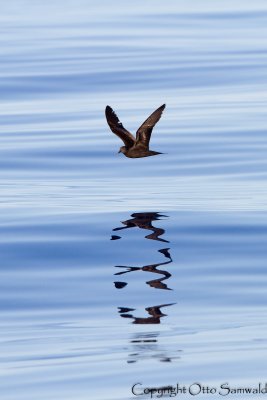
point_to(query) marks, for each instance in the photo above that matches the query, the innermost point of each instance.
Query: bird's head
(122, 150)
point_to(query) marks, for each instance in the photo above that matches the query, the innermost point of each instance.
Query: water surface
(116, 271)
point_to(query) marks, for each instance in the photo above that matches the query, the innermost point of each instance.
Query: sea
(123, 278)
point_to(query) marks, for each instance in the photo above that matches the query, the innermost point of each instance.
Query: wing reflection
(144, 221)
(155, 314)
(155, 283)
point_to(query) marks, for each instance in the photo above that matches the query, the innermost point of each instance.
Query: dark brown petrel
(135, 147)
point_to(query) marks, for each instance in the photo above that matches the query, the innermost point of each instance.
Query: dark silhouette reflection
(120, 285)
(145, 345)
(155, 283)
(143, 221)
(115, 237)
(155, 314)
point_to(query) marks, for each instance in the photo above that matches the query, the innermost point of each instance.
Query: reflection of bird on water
(134, 147)
(154, 312)
(155, 283)
(144, 221)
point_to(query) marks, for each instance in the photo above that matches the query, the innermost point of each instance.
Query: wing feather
(143, 133)
(117, 128)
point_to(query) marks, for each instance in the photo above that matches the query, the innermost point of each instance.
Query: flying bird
(134, 147)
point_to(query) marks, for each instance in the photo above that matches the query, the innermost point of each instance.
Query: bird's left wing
(117, 127)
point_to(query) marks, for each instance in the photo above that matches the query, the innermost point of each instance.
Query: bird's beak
(119, 151)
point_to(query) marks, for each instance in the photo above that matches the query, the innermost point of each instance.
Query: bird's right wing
(117, 127)
(143, 133)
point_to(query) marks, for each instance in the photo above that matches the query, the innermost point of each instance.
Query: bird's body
(138, 152)
(135, 147)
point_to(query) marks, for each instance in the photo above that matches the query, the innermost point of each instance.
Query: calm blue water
(118, 271)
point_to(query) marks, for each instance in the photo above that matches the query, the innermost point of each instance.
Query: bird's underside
(134, 147)
(140, 151)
